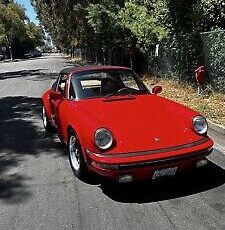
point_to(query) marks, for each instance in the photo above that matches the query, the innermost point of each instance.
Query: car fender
(47, 103)
(85, 127)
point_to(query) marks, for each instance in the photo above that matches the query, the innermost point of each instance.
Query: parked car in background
(33, 53)
(37, 53)
(115, 127)
(28, 54)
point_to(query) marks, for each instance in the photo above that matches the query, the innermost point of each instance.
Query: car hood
(143, 122)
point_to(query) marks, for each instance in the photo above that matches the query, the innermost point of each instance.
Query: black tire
(76, 158)
(62, 141)
(46, 123)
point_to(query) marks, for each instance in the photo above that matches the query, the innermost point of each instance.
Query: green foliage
(142, 24)
(15, 29)
(196, 15)
(34, 34)
(101, 23)
(65, 24)
(214, 47)
(105, 23)
(121, 26)
(213, 14)
(126, 23)
(12, 21)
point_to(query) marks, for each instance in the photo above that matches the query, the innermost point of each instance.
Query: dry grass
(210, 105)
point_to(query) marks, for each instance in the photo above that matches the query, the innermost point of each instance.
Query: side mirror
(157, 89)
(55, 95)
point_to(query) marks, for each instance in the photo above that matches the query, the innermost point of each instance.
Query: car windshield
(107, 83)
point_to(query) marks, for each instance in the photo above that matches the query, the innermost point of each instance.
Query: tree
(104, 20)
(126, 23)
(11, 23)
(64, 24)
(142, 23)
(35, 35)
(211, 14)
(16, 32)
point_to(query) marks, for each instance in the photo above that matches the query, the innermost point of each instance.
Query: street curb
(217, 127)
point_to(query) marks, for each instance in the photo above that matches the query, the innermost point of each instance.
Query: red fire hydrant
(200, 77)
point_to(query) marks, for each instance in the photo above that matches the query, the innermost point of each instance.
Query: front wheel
(76, 158)
(46, 123)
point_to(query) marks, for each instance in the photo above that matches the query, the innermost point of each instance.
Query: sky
(29, 10)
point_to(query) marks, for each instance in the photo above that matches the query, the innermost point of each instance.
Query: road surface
(39, 191)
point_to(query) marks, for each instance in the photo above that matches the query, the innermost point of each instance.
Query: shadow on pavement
(44, 76)
(30, 59)
(182, 185)
(20, 136)
(35, 75)
(13, 189)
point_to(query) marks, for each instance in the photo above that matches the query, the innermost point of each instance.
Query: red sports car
(115, 127)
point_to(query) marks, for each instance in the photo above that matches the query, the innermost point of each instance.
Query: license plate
(164, 172)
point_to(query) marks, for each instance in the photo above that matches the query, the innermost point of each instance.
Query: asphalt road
(39, 191)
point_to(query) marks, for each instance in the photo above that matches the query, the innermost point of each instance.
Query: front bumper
(142, 165)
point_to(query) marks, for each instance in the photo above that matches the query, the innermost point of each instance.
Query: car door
(65, 110)
(57, 98)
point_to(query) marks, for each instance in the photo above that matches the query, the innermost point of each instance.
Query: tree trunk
(10, 48)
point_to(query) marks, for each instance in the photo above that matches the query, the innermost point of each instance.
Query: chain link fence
(176, 57)
(214, 58)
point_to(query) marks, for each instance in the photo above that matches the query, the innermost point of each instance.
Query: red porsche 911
(115, 127)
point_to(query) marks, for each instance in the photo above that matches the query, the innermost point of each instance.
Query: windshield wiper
(113, 94)
(126, 94)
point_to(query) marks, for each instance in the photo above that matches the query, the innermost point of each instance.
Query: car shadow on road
(21, 135)
(184, 184)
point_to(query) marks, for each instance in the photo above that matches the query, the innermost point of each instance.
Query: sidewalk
(216, 127)
(218, 139)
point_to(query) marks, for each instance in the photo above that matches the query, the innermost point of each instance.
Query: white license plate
(164, 172)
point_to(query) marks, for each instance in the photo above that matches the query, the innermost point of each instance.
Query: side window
(62, 84)
(129, 81)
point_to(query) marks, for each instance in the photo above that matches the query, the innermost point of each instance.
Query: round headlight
(103, 138)
(200, 124)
